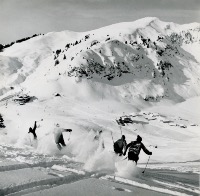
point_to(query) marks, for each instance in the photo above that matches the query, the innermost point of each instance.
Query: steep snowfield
(147, 71)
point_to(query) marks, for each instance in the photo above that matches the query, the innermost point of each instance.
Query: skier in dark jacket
(134, 149)
(33, 131)
(119, 145)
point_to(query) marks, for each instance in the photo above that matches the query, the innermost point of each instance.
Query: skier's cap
(123, 137)
(139, 138)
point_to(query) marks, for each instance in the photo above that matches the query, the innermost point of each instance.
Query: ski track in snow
(46, 172)
(157, 189)
(54, 171)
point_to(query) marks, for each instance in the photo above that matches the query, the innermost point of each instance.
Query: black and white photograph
(99, 97)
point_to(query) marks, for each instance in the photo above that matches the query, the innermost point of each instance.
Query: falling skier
(119, 145)
(58, 136)
(134, 149)
(33, 131)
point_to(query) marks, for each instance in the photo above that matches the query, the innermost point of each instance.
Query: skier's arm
(35, 126)
(145, 150)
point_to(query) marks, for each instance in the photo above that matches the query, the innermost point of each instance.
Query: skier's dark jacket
(119, 145)
(134, 150)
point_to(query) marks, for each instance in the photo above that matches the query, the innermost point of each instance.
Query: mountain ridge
(152, 58)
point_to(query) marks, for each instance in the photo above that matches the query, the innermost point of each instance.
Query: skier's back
(134, 149)
(119, 145)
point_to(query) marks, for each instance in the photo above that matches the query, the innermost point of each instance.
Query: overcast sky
(22, 18)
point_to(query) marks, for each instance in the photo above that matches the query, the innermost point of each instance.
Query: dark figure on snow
(33, 131)
(119, 145)
(58, 136)
(134, 149)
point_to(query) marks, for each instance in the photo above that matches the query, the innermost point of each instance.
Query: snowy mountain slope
(147, 59)
(22, 59)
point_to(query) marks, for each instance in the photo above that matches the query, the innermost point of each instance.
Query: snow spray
(126, 169)
(102, 160)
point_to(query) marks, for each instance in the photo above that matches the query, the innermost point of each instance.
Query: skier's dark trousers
(58, 136)
(134, 149)
(119, 145)
(33, 131)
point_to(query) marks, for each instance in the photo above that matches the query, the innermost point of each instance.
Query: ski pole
(69, 136)
(119, 126)
(120, 129)
(146, 164)
(154, 146)
(112, 137)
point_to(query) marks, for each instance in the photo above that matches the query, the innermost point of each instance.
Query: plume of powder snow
(101, 160)
(47, 145)
(27, 139)
(126, 169)
(83, 146)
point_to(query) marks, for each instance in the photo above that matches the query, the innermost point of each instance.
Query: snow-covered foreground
(29, 173)
(146, 73)
(44, 170)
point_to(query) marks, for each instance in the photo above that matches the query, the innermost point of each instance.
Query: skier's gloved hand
(150, 153)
